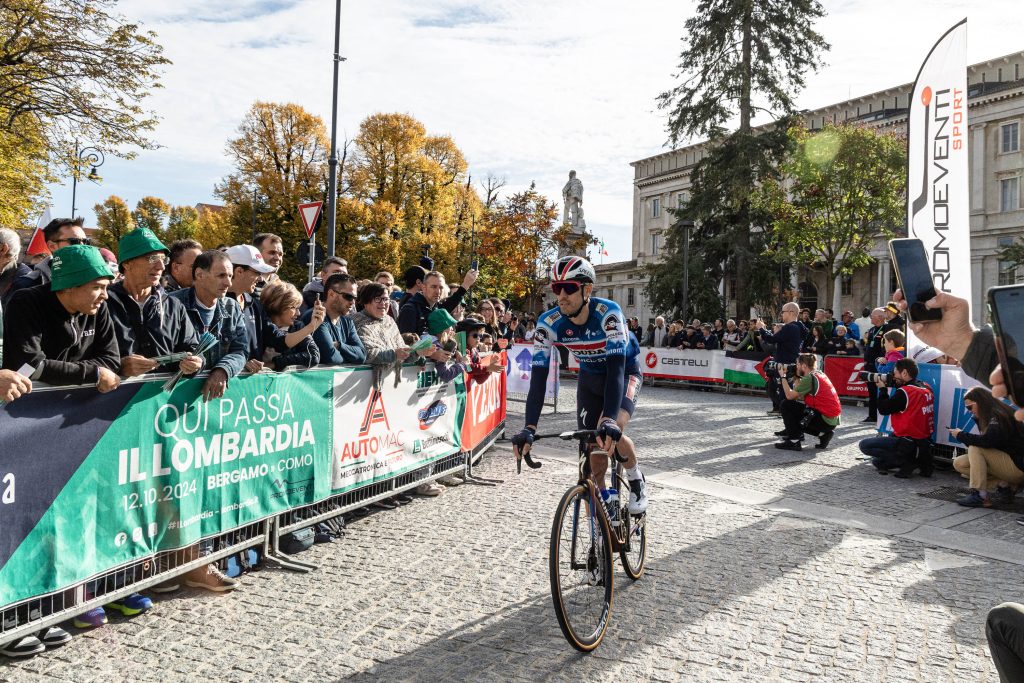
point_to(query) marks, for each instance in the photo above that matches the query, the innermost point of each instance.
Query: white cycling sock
(634, 473)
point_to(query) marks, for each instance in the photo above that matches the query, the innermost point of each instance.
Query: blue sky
(528, 89)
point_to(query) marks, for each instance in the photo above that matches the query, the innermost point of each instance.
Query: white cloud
(527, 89)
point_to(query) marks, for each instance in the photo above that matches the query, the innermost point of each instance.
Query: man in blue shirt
(336, 338)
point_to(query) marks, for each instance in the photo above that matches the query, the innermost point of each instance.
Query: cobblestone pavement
(456, 588)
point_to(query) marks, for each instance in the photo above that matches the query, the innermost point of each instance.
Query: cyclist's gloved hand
(609, 430)
(523, 438)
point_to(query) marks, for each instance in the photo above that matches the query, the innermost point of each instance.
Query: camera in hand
(776, 366)
(873, 377)
(450, 346)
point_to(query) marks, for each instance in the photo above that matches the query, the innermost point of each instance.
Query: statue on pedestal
(572, 194)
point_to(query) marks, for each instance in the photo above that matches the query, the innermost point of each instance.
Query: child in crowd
(474, 327)
(893, 341)
(441, 324)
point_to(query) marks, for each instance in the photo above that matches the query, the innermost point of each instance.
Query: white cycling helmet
(573, 269)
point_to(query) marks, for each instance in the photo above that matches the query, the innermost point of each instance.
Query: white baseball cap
(247, 255)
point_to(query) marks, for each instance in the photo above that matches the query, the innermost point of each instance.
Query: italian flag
(745, 367)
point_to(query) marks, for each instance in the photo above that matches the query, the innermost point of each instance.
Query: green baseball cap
(439, 320)
(76, 265)
(138, 242)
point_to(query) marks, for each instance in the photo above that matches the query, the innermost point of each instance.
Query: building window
(846, 285)
(1007, 273)
(654, 244)
(630, 297)
(1004, 242)
(1009, 194)
(656, 207)
(1009, 135)
(611, 294)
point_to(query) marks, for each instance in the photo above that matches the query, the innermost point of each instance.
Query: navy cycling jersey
(604, 335)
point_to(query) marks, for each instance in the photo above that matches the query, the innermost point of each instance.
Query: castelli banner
(937, 188)
(844, 373)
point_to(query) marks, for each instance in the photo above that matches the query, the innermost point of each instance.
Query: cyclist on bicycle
(610, 378)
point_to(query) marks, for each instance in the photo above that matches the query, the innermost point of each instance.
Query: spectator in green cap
(63, 331)
(149, 324)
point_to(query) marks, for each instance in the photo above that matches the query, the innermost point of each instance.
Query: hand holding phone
(1006, 308)
(915, 278)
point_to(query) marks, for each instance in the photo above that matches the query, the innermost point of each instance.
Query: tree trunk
(742, 261)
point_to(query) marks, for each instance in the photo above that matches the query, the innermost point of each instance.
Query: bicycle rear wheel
(633, 546)
(580, 566)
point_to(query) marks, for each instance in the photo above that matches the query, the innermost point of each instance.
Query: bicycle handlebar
(580, 434)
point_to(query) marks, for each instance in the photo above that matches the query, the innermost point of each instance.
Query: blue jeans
(888, 452)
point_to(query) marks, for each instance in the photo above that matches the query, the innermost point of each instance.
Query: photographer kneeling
(912, 410)
(812, 407)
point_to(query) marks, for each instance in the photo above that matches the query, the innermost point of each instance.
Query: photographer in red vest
(811, 407)
(911, 408)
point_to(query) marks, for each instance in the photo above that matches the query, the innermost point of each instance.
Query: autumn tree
(215, 227)
(182, 223)
(281, 153)
(740, 57)
(151, 213)
(114, 221)
(74, 69)
(24, 173)
(843, 189)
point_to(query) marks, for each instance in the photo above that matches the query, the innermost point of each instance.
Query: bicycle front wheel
(580, 566)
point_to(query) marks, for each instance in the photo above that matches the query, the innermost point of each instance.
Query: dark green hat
(439, 320)
(138, 242)
(76, 265)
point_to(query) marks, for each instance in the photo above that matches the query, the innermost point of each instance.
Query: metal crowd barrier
(28, 617)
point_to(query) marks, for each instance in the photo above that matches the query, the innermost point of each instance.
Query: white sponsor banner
(380, 434)
(937, 189)
(949, 384)
(519, 370)
(677, 364)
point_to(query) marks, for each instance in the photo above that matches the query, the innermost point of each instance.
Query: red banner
(485, 409)
(844, 371)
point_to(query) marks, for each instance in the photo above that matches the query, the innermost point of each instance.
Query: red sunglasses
(567, 287)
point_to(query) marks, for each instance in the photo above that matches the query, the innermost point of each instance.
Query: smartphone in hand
(915, 278)
(1006, 308)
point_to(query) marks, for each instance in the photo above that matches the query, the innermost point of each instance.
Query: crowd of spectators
(85, 317)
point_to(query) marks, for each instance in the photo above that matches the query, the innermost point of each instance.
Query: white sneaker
(429, 489)
(638, 496)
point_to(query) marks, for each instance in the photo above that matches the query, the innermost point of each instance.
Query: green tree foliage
(114, 221)
(182, 223)
(843, 188)
(151, 212)
(24, 173)
(73, 69)
(741, 57)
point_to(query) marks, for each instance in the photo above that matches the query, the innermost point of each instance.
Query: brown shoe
(210, 578)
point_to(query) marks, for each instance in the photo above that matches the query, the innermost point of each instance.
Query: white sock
(634, 473)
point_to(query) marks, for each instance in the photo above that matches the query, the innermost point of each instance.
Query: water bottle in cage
(611, 502)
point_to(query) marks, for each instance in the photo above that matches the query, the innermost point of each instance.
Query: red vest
(826, 400)
(916, 421)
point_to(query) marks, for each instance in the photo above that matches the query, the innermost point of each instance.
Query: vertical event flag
(37, 245)
(604, 252)
(937, 190)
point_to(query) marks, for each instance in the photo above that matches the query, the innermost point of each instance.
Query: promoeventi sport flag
(937, 188)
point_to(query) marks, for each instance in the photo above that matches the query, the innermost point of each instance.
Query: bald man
(787, 342)
(873, 350)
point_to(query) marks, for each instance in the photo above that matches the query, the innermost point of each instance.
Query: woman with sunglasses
(489, 314)
(594, 331)
(995, 458)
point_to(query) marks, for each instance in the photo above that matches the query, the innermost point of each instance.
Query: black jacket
(159, 327)
(412, 316)
(64, 349)
(7, 279)
(787, 341)
(227, 325)
(37, 275)
(995, 437)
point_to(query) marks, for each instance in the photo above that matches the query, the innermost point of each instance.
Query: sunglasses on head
(567, 287)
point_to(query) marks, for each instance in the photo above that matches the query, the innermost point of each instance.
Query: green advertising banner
(89, 482)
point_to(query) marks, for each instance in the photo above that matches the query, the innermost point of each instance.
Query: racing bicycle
(584, 535)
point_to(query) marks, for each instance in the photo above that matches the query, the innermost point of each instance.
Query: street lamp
(332, 183)
(87, 156)
(686, 224)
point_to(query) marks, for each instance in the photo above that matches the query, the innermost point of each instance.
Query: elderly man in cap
(852, 328)
(209, 310)
(61, 329)
(147, 322)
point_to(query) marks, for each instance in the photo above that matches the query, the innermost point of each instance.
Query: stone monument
(572, 195)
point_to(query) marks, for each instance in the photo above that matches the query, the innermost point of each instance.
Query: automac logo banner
(400, 428)
(90, 481)
(937, 189)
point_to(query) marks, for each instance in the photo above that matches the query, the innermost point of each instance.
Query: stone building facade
(995, 119)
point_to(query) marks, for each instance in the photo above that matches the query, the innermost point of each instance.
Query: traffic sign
(302, 254)
(309, 213)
